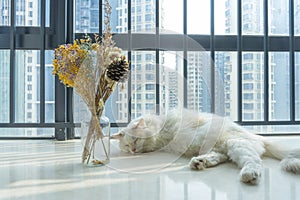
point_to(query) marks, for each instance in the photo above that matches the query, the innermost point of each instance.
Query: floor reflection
(53, 170)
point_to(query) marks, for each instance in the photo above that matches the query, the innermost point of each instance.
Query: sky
(198, 17)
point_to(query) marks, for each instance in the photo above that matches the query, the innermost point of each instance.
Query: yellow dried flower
(67, 61)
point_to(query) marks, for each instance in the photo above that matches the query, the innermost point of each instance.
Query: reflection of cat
(210, 138)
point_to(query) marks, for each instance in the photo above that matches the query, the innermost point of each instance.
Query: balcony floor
(45, 169)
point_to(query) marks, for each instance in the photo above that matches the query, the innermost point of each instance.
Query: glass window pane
(49, 88)
(279, 86)
(47, 12)
(27, 13)
(297, 85)
(198, 17)
(81, 112)
(26, 132)
(142, 16)
(119, 19)
(143, 83)
(87, 16)
(297, 17)
(199, 81)
(116, 108)
(171, 80)
(4, 12)
(226, 98)
(253, 86)
(225, 17)
(275, 129)
(27, 86)
(278, 17)
(171, 16)
(4, 85)
(252, 17)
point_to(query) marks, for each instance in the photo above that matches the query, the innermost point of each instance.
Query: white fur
(210, 138)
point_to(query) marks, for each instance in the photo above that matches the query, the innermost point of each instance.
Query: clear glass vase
(100, 152)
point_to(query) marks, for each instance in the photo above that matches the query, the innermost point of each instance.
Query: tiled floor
(42, 170)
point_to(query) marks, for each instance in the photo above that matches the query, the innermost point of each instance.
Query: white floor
(44, 170)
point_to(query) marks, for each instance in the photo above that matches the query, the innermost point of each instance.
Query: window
(150, 77)
(149, 106)
(254, 74)
(148, 8)
(149, 67)
(149, 57)
(148, 17)
(248, 96)
(247, 56)
(248, 67)
(29, 115)
(248, 106)
(149, 87)
(150, 96)
(29, 68)
(248, 116)
(28, 107)
(248, 76)
(139, 77)
(248, 86)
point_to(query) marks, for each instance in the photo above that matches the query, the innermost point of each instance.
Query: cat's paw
(251, 174)
(198, 163)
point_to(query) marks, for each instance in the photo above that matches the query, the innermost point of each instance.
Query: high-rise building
(5, 66)
(143, 63)
(252, 64)
(198, 81)
(4, 88)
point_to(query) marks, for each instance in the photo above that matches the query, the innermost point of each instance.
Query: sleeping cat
(207, 139)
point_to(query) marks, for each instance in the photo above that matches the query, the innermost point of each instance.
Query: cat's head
(137, 137)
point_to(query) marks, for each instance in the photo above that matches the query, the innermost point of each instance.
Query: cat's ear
(141, 123)
(117, 135)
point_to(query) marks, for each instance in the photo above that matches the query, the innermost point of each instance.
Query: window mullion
(239, 60)
(12, 64)
(266, 62)
(129, 45)
(185, 56)
(60, 92)
(42, 62)
(292, 61)
(212, 55)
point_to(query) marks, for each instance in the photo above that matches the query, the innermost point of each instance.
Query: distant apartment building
(252, 64)
(27, 73)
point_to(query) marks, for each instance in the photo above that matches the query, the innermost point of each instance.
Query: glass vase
(100, 152)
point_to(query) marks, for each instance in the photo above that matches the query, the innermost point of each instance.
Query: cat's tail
(290, 159)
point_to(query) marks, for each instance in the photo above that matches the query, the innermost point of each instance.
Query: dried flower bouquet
(94, 70)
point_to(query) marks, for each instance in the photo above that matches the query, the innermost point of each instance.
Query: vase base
(96, 163)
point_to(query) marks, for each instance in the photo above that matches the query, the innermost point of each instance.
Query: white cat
(211, 139)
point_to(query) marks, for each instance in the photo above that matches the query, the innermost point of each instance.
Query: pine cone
(118, 69)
